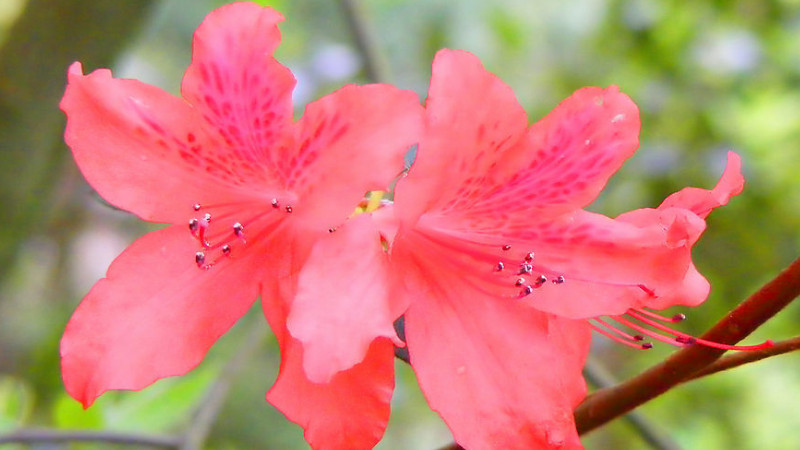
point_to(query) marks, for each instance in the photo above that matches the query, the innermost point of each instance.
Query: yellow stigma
(371, 202)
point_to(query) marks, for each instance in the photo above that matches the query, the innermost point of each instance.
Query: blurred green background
(709, 76)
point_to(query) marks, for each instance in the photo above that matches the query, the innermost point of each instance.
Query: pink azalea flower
(506, 274)
(250, 196)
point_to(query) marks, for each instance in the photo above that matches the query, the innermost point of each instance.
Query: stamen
(529, 257)
(650, 333)
(617, 331)
(559, 280)
(198, 228)
(680, 339)
(674, 319)
(685, 339)
(540, 280)
(274, 203)
(218, 231)
(505, 265)
(288, 209)
(643, 346)
(238, 230)
(527, 290)
(217, 206)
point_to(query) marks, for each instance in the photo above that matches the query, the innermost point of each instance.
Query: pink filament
(617, 338)
(647, 318)
(691, 339)
(618, 331)
(674, 319)
(647, 332)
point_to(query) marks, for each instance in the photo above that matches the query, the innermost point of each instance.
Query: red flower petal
(498, 180)
(640, 259)
(386, 221)
(342, 301)
(585, 299)
(239, 88)
(577, 147)
(131, 330)
(630, 264)
(645, 260)
(144, 150)
(155, 155)
(350, 142)
(527, 197)
(691, 291)
(561, 166)
(348, 412)
(501, 374)
(473, 123)
(703, 201)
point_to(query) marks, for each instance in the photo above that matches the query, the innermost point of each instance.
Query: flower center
(224, 230)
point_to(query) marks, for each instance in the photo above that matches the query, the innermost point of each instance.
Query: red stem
(607, 404)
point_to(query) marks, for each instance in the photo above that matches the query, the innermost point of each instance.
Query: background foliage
(708, 76)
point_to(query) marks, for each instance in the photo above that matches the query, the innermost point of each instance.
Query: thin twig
(41, 436)
(374, 65)
(209, 409)
(742, 358)
(607, 404)
(598, 376)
